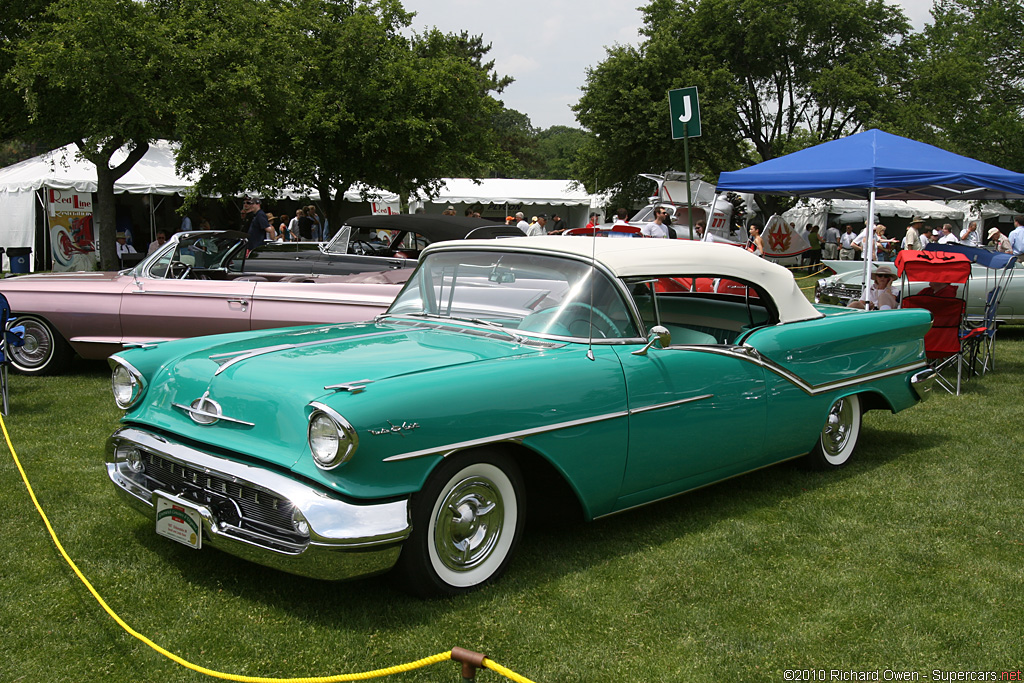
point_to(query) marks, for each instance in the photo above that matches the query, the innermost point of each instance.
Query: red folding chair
(946, 299)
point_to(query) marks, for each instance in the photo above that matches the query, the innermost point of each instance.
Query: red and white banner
(72, 240)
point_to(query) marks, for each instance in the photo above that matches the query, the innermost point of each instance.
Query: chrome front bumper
(247, 511)
(835, 293)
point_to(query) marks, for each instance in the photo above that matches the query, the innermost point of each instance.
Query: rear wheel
(466, 522)
(838, 438)
(44, 353)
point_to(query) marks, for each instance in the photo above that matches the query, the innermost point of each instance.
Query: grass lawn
(911, 558)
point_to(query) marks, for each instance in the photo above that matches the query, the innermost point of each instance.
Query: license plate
(179, 522)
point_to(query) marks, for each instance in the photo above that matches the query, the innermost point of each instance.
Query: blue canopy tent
(875, 165)
(890, 166)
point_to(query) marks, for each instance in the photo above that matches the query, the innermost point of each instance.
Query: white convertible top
(661, 257)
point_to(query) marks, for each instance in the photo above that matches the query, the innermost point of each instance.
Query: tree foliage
(353, 99)
(966, 92)
(93, 72)
(17, 22)
(772, 78)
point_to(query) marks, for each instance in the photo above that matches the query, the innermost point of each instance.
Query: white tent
(818, 211)
(499, 197)
(63, 169)
(154, 174)
(986, 214)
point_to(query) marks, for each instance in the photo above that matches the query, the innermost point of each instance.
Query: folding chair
(9, 336)
(980, 333)
(944, 343)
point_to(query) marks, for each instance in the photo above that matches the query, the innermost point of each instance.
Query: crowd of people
(850, 245)
(305, 226)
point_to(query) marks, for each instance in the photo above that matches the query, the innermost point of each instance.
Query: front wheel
(838, 438)
(44, 352)
(465, 524)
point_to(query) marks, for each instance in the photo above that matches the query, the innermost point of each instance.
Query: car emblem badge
(396, 429)
(205, 411)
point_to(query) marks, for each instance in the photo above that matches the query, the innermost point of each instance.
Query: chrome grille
(236, 504)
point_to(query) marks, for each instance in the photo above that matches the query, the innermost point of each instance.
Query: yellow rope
(426, 661)
(507, 673)
(804, 277)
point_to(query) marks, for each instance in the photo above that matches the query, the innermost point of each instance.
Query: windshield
(547, 295)
(197, 251)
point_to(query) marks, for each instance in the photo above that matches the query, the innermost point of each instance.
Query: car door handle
(243, 302)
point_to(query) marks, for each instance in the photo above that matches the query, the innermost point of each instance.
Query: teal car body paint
(506, 374)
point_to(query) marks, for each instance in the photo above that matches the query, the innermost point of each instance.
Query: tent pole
(869, 244)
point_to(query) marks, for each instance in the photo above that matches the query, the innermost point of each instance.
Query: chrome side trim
(749, 354)
(507, 436)
(191, 295)
(680, 402)
(326, 298)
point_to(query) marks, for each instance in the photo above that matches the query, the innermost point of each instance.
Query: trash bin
(19, 257)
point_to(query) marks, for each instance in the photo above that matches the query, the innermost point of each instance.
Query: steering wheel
(362, 248)
(591, 314)
(178, 270)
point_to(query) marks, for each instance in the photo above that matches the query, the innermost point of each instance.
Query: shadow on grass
(548, 552)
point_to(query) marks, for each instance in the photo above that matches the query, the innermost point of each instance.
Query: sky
(547, 45)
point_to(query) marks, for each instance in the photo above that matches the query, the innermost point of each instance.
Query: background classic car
(207, 283)
(507, 377)
(847, 283)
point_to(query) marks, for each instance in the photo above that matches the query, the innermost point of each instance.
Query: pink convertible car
(199, 283)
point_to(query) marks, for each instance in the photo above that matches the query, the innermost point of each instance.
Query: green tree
(17, 21)
(773, 77)
(965, 92)
(93, 72)
(354, 99)
(518, 155)
(559, 147)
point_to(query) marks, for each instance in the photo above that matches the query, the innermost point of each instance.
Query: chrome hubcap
(469, 523)
(838, 426)
(36, 348)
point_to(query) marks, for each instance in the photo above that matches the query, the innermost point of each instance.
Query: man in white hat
(912, 240)
(880, 295)
(1000, 241)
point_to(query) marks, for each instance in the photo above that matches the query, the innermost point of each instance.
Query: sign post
(684, 114)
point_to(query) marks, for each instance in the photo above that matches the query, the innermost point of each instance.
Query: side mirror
(658, 335)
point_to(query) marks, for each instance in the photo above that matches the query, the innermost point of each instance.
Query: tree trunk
(105, 218)
(105, 215)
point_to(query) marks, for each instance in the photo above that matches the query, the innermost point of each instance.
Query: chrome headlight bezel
(126, 383)
(332, 440)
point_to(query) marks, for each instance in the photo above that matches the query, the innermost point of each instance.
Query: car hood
(263, 384)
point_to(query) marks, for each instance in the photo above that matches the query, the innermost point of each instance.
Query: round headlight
(126, 384)
(332, 440)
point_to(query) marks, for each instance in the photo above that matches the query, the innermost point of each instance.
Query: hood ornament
(205, 411)
(352, 387)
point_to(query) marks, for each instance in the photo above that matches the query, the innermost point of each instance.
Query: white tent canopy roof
(510, 191)
(850, 210)
(155, 173)
(63, 169)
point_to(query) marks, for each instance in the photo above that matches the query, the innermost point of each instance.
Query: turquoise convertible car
(506, 377)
